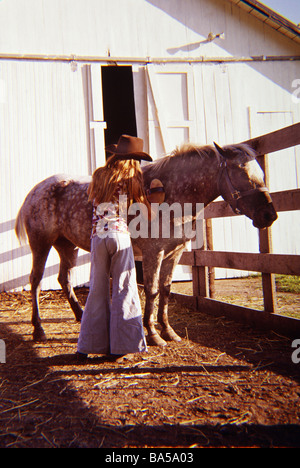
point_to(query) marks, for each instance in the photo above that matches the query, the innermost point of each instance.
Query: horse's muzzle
(265, 217)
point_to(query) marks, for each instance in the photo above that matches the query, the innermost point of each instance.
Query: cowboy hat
(128, 147)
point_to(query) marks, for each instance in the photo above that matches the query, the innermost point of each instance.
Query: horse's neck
(194, 180)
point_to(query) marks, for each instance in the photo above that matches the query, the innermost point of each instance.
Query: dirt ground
(223, 385)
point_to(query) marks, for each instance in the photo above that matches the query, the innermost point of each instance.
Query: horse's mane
(184, 151)
(189, 150)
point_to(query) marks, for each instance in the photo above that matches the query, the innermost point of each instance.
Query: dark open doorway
(118, 102)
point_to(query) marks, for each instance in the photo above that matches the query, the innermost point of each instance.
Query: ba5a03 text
(168, 457)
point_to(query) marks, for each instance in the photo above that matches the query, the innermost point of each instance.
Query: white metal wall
(51, 116)
(228, 103)
(43, 131)
(51, 121)
(245, 102)
(284, 169)
(135, 28)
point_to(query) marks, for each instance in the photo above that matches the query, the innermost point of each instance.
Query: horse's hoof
(39, 336)
(170, 335)
(155, 340)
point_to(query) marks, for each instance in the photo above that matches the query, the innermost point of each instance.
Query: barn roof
(270, 17)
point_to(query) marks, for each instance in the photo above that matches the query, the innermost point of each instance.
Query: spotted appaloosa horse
(57, 213)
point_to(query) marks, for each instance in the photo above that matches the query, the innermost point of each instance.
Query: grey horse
(56, 212)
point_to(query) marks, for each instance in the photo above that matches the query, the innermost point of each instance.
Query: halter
(232, 195)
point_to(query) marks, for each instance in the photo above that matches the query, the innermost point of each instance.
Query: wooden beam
(288, 200)
(210, 246)
(219, 209)
(259, 262)
(187, 258)
(200, 273)
(276, 141)
(284, 325)
(185, 300)
(265, 247)
(145, 60)
(256, 318)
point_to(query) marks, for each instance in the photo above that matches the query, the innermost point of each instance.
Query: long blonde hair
(108, 178)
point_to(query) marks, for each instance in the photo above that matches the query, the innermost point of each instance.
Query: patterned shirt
(110, 216)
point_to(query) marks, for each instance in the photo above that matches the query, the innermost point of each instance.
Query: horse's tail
(20, 227)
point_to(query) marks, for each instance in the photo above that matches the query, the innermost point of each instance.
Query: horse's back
(48, 204)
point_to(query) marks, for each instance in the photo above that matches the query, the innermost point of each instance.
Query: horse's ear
(220, 150)
(226, 153)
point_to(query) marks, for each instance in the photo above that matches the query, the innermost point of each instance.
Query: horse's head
(241, 184)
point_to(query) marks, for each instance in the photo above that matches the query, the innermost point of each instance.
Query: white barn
(75, 74)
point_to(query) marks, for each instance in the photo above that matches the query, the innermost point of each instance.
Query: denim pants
(112, 325)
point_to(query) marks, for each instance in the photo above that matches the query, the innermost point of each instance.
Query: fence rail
(288, 200)
(264, 263)
(205, 260)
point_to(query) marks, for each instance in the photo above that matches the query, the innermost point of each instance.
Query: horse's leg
(165, 282)
(151, 267)
(68, 253)
(40, 253)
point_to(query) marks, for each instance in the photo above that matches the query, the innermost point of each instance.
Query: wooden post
(211, 270)
(265, 246)
(200, 273)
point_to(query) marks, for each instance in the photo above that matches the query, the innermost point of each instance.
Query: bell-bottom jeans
(112, 325)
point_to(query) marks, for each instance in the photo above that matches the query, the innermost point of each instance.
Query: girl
(114, 327)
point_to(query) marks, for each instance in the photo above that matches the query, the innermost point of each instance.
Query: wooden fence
(204, 260)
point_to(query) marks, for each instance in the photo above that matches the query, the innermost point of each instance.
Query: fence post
(265, 246)
(210, 246)
(200, 273)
